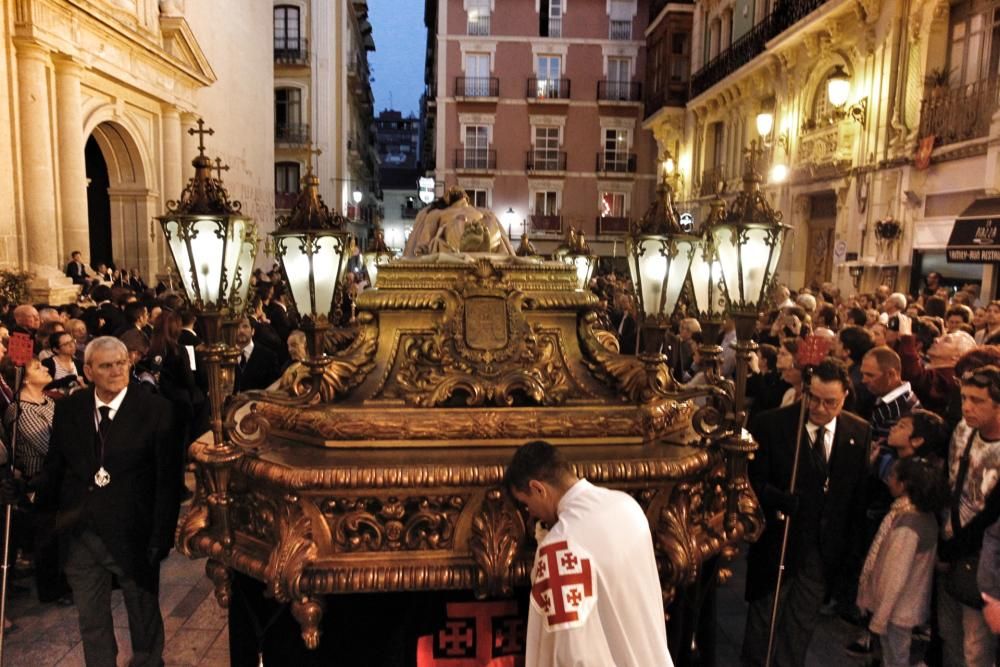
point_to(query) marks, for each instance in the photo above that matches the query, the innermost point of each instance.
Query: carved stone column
(72, 165)
(36, 155)
(173, 155)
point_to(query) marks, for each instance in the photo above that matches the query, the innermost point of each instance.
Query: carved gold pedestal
(382, 473)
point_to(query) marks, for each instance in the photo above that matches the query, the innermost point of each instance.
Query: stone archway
(131, 201)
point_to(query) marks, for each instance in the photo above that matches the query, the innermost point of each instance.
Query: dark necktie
(104, 425)
(819, 447)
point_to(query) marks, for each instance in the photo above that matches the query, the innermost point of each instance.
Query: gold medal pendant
(102, 477)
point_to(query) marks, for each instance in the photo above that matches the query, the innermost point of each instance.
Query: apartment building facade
(398, 139)
(877, 124)
(537, 111)
(323, 101)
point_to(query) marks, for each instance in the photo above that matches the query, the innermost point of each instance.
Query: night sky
(398, 61)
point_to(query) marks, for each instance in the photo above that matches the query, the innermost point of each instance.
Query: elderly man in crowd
(933, 382)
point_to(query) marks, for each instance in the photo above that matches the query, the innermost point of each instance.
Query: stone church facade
(96, 97)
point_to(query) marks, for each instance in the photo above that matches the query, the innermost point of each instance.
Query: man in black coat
(827, 511)
(258, 366)
(76, 269)
(112, 475)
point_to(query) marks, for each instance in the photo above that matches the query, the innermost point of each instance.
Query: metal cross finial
(753, 153)
(312, 151)
(219, 167)
(201, 132)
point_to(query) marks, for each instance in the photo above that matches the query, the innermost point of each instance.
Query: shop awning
(975, 238)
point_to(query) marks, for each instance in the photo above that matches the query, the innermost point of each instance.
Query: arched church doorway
(98, 205)
(120, 203)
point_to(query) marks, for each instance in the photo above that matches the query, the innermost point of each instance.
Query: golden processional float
(377, 466)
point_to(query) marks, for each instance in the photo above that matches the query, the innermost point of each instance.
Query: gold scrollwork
(392, 524)
(496, 532)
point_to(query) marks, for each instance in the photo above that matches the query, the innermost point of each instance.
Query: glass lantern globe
(378, 253)
(748, 254)
(659, 265)
(838, 87)
(765, 123)
(706, 279)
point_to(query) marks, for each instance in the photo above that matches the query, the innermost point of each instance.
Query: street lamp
(659, 256)
(311, 244)
(748, 241)
(378, 253)
(838, 88)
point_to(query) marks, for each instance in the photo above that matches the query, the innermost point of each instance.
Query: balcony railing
(608, 224)
(476, 159)
(546, 160)
(548, 89)
(711, 177)
(478, 25)
(620, 30)
(408, 212)
(616, 163)
(477, 86)
(619, 91)
(291, 133)
(546, 223)
(961, 113)
(291, 51)
(285, 200)
(555, 27)
(750, 45)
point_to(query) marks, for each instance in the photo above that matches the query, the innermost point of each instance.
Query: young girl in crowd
(895, 584)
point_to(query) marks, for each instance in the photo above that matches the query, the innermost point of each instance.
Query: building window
(620, 24)
(615, 153)
(479, 198)
(619, 78)
(286, 177)
(550, 18)
(478, 22)
(974, 51)
(546, 154)
(549, 75)
(286, 30)
(288, 126)
(476, 149)
(546, 202)
(679, 56)
(823, 112)
(477, 74)
(614, 205)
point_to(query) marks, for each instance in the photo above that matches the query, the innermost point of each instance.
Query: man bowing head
(595, 593)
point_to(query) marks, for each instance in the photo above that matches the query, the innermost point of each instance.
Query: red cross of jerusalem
(563, 581)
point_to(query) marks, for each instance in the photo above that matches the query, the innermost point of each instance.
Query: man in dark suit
(112, 475)
(76, 269)
(258, 366)
(827, 511)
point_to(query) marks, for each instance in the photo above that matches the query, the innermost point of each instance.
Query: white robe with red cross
(595, 594)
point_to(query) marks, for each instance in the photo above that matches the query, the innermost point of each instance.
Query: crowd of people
(894, 515)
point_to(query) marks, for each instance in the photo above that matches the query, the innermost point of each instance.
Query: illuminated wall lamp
(838, 88)
(765, 124)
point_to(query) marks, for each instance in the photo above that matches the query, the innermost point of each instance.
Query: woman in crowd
(63, 365)
(790, 373)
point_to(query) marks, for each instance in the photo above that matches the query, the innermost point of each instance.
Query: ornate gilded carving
(371, 524)
(345, 371)
(496, 532)
(639, 379)
(222, 578)
(254, 515)
(308, 611)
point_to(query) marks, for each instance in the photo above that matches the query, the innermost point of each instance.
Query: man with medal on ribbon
(112, 478)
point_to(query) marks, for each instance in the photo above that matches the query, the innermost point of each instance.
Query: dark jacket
(262, 368)
(831, 520)
(138, 510)
(78, 272)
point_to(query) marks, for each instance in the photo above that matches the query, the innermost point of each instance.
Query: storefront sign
(975, 241)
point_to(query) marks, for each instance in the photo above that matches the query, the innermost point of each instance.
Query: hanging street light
(659, 257)
(748, 242)
(312, 246)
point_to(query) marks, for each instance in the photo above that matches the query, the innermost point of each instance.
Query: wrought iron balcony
(478, 25)
(749, 46)
(291, 133)
(960, 113)
(711, 177)
(609, 224)
(546, 160)
(619, 91)
(620, 30)
(555, 28)
(548, 89)
(546, 223)
(291, 51)
(477, 86)
(476, 159)
(615, 163)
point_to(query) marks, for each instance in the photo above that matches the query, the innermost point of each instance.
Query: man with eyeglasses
(826, 510)
(112, 475)
(973, 469)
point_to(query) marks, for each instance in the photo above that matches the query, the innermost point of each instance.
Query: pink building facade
(536, 110)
